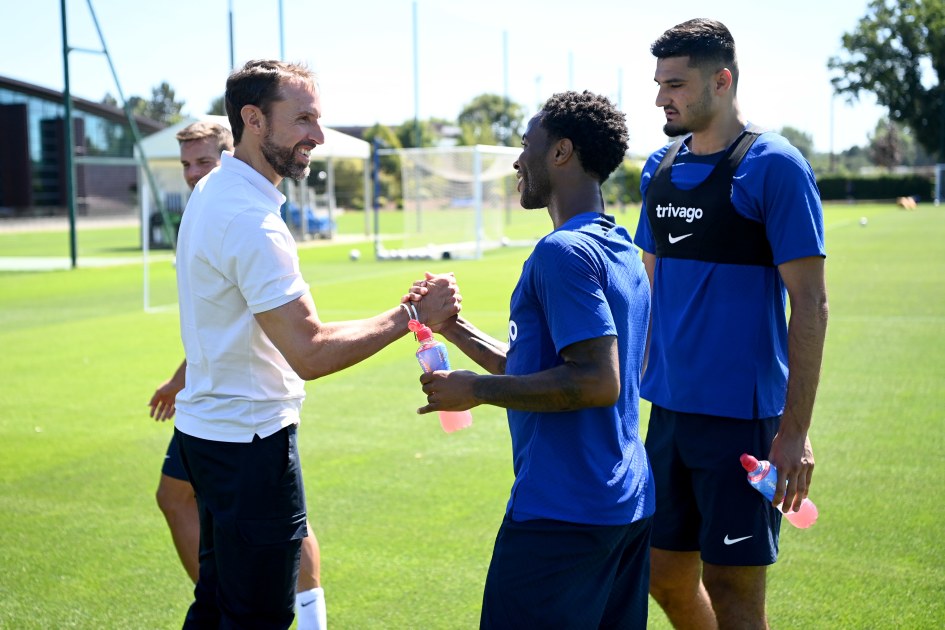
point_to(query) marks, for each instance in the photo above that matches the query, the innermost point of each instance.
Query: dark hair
(259, 83)
(707, 43)
(596, 128)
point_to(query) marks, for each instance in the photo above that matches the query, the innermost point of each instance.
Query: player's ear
(723, 80)
(253, 119)
(564, 149)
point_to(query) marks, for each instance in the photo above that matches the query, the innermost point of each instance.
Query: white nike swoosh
(676, 239)
(732, 541)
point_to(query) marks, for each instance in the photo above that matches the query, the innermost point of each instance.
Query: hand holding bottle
(763, 477)
(432, 356)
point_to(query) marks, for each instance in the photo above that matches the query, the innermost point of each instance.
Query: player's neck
(580, 196)
(719, 135)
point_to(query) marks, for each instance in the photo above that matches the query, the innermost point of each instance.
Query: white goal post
(456, 201)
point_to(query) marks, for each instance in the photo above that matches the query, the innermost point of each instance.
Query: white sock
(310, 610)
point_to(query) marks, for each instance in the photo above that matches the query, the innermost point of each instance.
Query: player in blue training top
(731, 228)
(573, 549)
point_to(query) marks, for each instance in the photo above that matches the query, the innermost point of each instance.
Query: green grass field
(406, 514)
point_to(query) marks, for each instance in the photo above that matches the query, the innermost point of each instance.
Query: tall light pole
(230, 19)
(416, 81)
(833, 156)
(620, 89)
(281, 34)
(67, 136)
(505, 87)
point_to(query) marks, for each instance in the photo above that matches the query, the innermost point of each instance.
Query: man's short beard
(699, 116)
(673, 130)
(283, 160)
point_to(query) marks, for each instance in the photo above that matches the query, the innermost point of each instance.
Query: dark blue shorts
(550, 574)
(703, 500)
(172, 465)
(252, 520)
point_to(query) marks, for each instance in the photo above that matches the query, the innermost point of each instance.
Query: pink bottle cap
(749, 462)
(423, 332)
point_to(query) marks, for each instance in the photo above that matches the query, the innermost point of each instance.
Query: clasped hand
(436, 298)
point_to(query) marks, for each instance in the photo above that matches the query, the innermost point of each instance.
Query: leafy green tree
(853, 159)
(887, 145)
(622, 188)
(471, 134)
(895, 52)
(218, 106)
(407, 133)
(163, 105)
(491, 119)
(803, 141)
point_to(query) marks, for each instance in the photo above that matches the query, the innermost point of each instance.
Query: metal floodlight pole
(620, 89)
(136, 134)
(416, 81)
(508, 140)
(230, 18)
(416, 111)
(69, 141)
(281, 34)
(833, 155)
(505, 87)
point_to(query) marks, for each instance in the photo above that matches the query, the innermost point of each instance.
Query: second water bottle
(763, 477)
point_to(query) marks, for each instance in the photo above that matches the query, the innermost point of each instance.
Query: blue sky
(362, 51)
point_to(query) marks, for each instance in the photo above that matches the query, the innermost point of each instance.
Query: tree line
(895, 52)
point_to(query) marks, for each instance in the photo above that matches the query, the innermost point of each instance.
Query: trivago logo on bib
(672, 212)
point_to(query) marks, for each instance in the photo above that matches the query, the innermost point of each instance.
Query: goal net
(457, 202)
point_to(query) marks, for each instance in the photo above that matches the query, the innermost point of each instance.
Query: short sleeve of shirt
(775, 185)
(264, 262)
(569, 283)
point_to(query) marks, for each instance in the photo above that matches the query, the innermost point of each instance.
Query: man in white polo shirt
(251, 337)
(201, 144)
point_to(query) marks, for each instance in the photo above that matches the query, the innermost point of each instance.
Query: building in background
(32, 154)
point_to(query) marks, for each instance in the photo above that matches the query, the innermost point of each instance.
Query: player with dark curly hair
(573, 548)
(596, 128)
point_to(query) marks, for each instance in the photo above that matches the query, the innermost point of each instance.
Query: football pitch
(405, 514)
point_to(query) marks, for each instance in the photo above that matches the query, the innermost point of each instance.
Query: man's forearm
(488, 352)
(807, 331)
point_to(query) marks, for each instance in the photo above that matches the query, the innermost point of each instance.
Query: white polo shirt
(235, 257)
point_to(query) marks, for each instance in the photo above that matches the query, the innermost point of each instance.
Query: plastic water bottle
(432, 355)
(763, 477)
